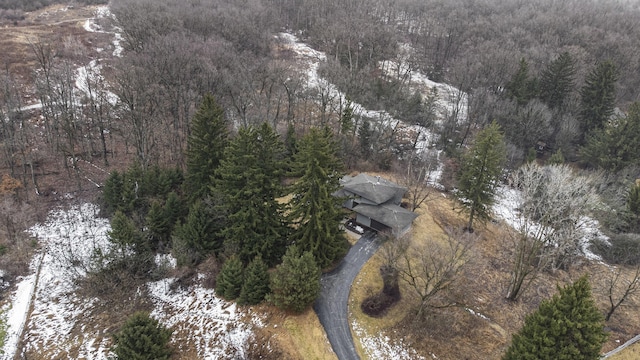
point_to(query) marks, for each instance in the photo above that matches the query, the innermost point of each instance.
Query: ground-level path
(332, 304)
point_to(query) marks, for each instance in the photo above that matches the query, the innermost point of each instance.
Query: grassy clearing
(630, 353)
(294, 336)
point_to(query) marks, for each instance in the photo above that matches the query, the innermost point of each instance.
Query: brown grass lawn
(456, 333)
(630, 353)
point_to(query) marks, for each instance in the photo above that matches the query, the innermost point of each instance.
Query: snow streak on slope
(381, 347)
(58, 325)
(310, 59)
(198, 318)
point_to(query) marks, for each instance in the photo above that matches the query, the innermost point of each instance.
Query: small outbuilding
(376, 203)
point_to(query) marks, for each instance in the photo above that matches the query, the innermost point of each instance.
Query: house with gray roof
(376, 203)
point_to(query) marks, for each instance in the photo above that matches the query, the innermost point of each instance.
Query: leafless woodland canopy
(178, 50)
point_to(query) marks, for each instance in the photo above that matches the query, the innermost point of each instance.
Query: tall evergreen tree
(617, 144)
(142, 338)
(521, 87)
(346, 119)
(480, 173)
(206, 144)
(112, 192)
(568, 326)
(256, 283)
(598, 97)
(315, 212)
(230, 279)
(158, 226)
(556, 81)
(365, 135)
(201, 232)
(249, 179)
(295, 283)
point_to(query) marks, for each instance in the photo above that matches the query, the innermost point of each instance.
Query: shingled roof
(374, 188)
(393, 216)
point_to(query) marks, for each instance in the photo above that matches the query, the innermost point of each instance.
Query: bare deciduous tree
(621, 286)
(417, 177)
(550, 220)
(432, 270)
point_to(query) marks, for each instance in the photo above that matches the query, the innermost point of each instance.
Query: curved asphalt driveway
(331, 305)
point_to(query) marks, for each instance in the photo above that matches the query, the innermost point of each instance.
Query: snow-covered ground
(56, 322)
(378, 346)
(309, 61)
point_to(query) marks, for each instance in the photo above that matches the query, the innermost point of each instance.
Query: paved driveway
(331, 305)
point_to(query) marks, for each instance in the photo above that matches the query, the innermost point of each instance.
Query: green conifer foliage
(314, 210)
(295, 284)
(556, 159)
(200, 233)
(598, 96)
(125, 235)
(249, 179)
(480, 173)
(112, 192)
(230, 279)
(158, 226)
(556, 81)
(256, 283)
(521, 87)
(617, 145)
(567, 327)
(206, 144)
(142, 338)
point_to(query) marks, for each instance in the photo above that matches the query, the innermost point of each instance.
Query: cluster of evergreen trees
(580, 121)
(228, 205)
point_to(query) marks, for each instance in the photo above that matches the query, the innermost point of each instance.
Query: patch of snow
(309, 59)
(381, 347)
(69, 240)
(476, 313)
(209, 324)
(450, 101)
(15, 314)
(166, 260)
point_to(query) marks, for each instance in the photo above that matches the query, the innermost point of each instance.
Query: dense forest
(203, 124)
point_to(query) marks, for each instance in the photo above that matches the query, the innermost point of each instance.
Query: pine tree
(158, 226)
(174, 210)
(315, 212)
(230, 279)
(556, 158)
(598, 97)
(568, 326)
(112, 192)
(200, 233)
(365, 135)
(521, 87)
(556, 81)
(206, 144)
(125, 235)
(616, 145)
(256, 283)
(142, 338)
(346, 118)
(480, 173)
(249, 179)
(295, 284)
